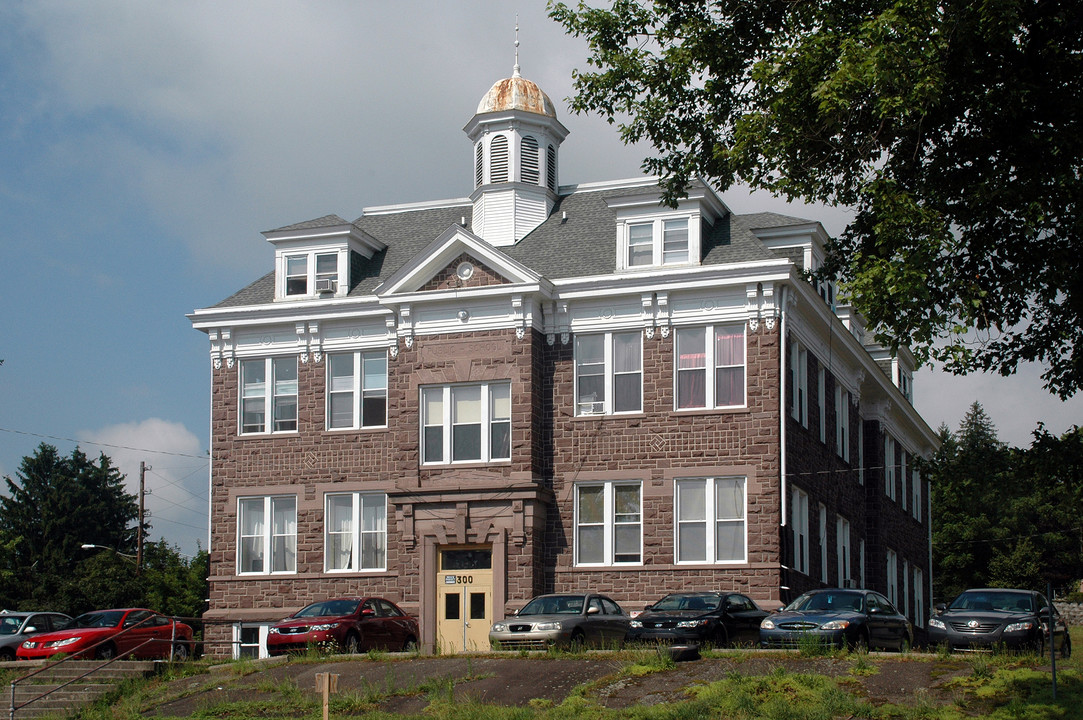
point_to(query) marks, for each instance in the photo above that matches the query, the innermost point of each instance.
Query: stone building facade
(461, 404)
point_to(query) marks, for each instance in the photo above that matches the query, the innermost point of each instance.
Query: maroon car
(105, 634)
(350, 624)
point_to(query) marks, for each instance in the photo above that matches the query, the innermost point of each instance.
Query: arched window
(479, 153)
(551, 168)
(498, 159)
(530, 160)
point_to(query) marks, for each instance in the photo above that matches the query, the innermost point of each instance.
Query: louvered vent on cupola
(498, 159)
(551, 168)
(530, 160)
(479, 154)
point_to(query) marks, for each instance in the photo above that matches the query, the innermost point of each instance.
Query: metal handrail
(82, 654)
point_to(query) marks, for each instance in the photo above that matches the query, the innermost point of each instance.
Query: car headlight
(65, 642)
(499, 627)
(547, 626)
(938, 624)
(273, 631)
(1017, 627)
(835, 625)
(692, 623)
(636, 623)
(324, 626)
(767, 624)
(30, 644)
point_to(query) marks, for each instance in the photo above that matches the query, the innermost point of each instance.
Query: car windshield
(109, 618)
(993, 600)
(328, 608)
(701, 602)
(10, 625)
(554, 605)
(829, 601)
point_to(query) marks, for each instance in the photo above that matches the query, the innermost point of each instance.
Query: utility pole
(142, 509)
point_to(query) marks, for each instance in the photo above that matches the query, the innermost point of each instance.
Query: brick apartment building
(541, 387)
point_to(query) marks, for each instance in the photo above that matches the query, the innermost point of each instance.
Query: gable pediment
(457, 260)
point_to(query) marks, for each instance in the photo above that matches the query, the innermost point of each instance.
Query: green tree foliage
(55, 505)
(953, 129)
(1004, 516)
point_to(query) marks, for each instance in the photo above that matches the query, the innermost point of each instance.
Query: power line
(102, 444)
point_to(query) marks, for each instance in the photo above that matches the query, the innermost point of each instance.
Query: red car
(105, 634)
(350, 624)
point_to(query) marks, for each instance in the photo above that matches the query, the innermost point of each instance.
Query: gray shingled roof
(579, 245)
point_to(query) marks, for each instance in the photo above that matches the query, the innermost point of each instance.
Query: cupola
(516, 138)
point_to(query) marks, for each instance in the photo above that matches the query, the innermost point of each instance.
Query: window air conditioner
(325, 285)
(591, 407)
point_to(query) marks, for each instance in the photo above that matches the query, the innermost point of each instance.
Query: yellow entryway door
(464, 598)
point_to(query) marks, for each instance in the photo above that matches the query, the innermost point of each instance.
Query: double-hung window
(711, 525)
(799, 383)
(842, 549)
(269, 383)
(267, 534)
(356, 532)
(357, 390)
(889, 467)
(658, 242)
(310, 273)
(892, 568)
(842, 422)
(608, 523)
(711, 367)
(799, 525)
(466, 423)
(915, 504)
(609, 373)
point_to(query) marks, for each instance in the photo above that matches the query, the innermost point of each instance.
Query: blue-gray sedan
(855, 619)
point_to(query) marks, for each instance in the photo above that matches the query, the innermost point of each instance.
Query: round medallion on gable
(465, 270)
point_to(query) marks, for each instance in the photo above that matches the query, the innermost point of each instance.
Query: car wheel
(7, 654)
(181, 652)
(905, 644)
(352, 644)
(720, 638)
(107, 651)
(410, 645)
(860, 644)
(1066, 648)
(578, 641)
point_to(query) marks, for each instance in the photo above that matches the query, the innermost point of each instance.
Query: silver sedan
(563, 619)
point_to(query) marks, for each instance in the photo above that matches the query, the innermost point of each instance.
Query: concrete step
(68, 699)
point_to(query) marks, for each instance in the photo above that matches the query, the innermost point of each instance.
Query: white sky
(144, 146)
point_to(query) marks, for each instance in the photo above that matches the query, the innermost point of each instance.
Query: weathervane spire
(515, 72)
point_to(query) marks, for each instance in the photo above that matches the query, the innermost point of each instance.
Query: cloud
(176, 478)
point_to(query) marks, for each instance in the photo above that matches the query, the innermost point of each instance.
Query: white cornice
(412, 207)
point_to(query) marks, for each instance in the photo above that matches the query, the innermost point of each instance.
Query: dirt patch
(408, 685)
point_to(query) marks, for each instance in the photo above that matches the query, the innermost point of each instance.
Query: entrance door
(464, 598)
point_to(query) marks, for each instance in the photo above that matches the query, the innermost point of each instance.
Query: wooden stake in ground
(326, 683)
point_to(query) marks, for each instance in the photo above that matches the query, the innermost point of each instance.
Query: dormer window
(311, 274)
(658, 242)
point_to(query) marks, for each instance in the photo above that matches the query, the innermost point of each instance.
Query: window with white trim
(919, 598)
(842, 422)
(250, 640)
(821, 401)
(903, 477)
(357, 390)
(498, 159)
(466, 423)
(652, 243)
(311, 273)
(267, 534)
(710, 367)
(889, 467)
(355, 532)
(711, 524)
(915, 503)
(609, 373)
(861, 562)
(842, 550)
(906, 588)
(823, 542)
(799, 383)
(268, 383)
(799, 526)
(892, 577)
(530, 171)
(860, 450)
(551, 168)
(608, 523)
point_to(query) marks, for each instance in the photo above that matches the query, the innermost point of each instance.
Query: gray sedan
(566, 620)
(18, 626)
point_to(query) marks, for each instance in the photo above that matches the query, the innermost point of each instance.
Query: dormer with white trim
(651, 235)
(516, 138)
(313, 259)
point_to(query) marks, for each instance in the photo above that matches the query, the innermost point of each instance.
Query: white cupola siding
(516, 138)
